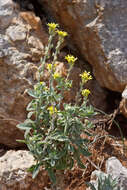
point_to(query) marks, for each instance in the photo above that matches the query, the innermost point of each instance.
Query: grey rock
(99, 30)
(17, 33)
(94, 178)
(22, 41)
(124, 94)
(6, 13)
(14, 175)
(115, 168)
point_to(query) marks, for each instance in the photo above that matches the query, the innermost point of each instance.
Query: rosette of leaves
(105, 183)
(53, 132)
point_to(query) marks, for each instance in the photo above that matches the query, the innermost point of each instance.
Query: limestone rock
(22, 40)
(117, 172)
(14, 175)
(115, 168)
(123, 103)
(98, 28)
(6, 13)
(123, 107)
(94, 178)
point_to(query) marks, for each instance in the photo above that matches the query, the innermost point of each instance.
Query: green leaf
(91, 186)
(52, 162)
(27, 132)
(62, 138)
(70, 148)
(59, 136)
(71, 164)
(31, 106)
(61, 153)
(77, 157)
(51, 175)
(23, 126)
(87, 133)
(31, 168)
(89, 125)
(84, 152)
(32, 93)
(80, 164)
(29, 115)
(80, 142)
(35, 171)
(28, 124)
(21, 141)
(61, 164)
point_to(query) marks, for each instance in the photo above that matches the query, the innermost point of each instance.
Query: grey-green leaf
(36, 171)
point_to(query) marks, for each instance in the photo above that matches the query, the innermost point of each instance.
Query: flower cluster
(49, 66)
(41, 83)
(52, 27)
(61, 34)
(56, 75)
(52, 110)
(85, 76)
(70, 59)
(85, 92)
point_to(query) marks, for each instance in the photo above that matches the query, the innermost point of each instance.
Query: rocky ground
(14, 163)
(100, 48)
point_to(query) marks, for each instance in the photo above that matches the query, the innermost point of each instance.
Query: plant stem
(48, 48)
(79, 94)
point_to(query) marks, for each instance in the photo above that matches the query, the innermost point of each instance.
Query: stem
(51, 78)
(60, 185)
(54, 60)
(63, 89)
(69, 71)
(48, 48)
(78, 94)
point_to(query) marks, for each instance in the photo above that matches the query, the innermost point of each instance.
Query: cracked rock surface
(14, 175)
(99, 30)
(22, 40)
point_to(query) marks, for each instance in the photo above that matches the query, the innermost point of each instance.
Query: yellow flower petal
(41, 82)
(52, 110)
(52, 27)
(62, 34)
(70, 59)
(56, 75)
(49, 67)
(85, 92)
(85, 76)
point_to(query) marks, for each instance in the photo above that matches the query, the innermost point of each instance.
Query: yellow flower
(85, 92)
(61, 34)
(70, 59)
(41, 83)
(55, 65)
(52, 27)
(56, 75)
(49, 67)
(52, 110)
(85, 76)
